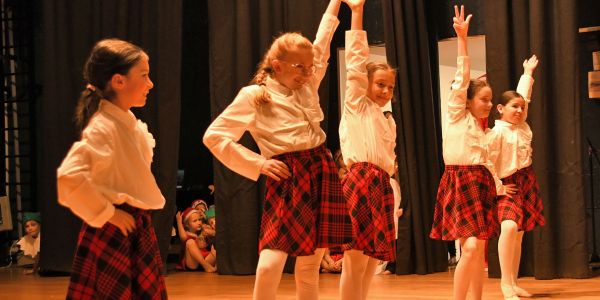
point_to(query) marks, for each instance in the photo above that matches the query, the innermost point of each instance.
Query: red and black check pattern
(466, 204)
(307, 210)
(109, 265)
(371, 200)
(525, 207)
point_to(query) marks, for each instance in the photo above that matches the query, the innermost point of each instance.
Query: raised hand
(275, 169)
(354, 4)
(530, 64)
(461, 25)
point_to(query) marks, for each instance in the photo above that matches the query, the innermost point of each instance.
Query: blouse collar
(126, 117)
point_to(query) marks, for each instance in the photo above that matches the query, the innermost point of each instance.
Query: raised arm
(461, 27)
(322, 41)
(357, 54)
(525, 86)
(457, 99)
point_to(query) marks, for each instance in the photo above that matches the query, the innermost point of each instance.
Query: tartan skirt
(370, 197)
(109, 265)
(525, 207)
(466, 204)
(307, 210)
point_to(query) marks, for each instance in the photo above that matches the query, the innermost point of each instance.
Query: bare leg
(268, 274)
(307, 275)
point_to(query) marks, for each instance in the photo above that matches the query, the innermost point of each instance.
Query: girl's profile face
(513, 111)
(381, 86)
(32, 228)
(481, 104)
(295, 68)
(134, 87)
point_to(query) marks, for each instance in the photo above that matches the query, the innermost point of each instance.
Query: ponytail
(87, 105)
(260, 78)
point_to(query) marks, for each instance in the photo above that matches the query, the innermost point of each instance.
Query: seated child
(30, 243)
(332, 262)
(195, 252)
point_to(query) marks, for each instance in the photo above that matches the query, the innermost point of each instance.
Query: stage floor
(198, 285)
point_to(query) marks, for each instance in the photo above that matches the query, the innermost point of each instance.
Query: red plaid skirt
(465, 206)
(109, 265)
(371, 199)
(525, 207)
(307, 210)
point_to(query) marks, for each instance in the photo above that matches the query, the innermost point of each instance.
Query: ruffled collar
(127, 118)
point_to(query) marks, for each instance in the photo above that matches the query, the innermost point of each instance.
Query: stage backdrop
(412, 47)
(548, 28)
(67, 33)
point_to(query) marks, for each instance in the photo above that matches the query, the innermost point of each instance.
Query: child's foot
(508, 292)
(209, 269)
(521, 292)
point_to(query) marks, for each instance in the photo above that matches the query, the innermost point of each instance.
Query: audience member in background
(195, 251)
(30, 243)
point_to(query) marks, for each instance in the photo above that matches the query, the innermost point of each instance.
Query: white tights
(270, 267)
(509, 251)
(357, 273)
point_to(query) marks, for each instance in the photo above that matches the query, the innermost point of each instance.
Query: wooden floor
(198, 285)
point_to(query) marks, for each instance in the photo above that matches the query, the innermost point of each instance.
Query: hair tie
(90, 87)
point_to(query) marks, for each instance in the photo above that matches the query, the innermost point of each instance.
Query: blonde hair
(280, 47)
(374, 66)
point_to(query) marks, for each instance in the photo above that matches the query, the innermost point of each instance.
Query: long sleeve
(76, 187)
(457, 100)
(223, 134)
(357, 53)
(321, 44)
(525, 88)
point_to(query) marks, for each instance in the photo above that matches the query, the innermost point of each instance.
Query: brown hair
(280, 47)
(475, 86)
(374, 66)
(108, 57)
(509, 95)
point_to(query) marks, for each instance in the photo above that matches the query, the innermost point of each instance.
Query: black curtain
(236, 47)
(411, 47)
(68, 32)
(548, 28)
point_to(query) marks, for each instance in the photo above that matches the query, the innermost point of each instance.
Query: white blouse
(366, 135)
(109, 166)
(290, 122)
(510, 144)
(29, 245)
(464, 141)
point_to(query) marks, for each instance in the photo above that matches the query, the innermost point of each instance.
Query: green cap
(210, 213)
(28, 216)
